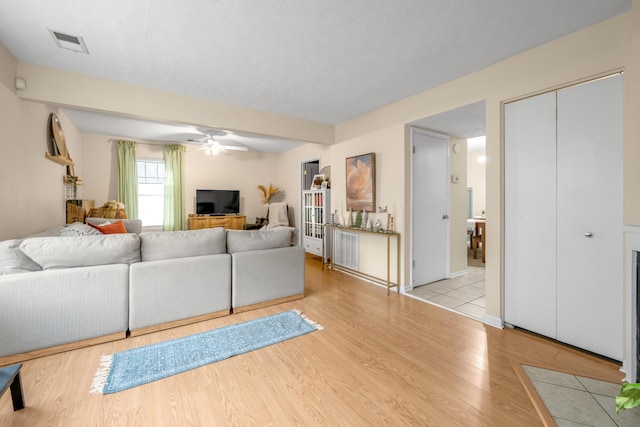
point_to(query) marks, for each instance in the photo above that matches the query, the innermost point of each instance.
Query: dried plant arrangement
(266, 193)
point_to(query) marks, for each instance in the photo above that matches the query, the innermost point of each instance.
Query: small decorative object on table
(358, 222)
(389, 222)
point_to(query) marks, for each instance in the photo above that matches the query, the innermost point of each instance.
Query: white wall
(476, 179)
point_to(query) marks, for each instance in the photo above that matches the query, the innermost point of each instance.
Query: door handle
(445, 216)
(588, 235)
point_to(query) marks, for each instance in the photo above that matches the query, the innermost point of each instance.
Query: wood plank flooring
(381, 360)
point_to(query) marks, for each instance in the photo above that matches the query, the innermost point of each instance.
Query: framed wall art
(361, 182)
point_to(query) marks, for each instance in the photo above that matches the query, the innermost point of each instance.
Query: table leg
(16, 393)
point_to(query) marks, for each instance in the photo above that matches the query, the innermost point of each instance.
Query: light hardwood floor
(381, 360)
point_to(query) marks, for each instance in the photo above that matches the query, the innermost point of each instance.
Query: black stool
(10, 377)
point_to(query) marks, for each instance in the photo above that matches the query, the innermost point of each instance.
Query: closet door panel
(589, 225)
(530, 214)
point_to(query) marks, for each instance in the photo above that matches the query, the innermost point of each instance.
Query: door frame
(300, 190)
(409, 284)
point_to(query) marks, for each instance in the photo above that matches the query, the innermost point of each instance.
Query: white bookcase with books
(316, 208)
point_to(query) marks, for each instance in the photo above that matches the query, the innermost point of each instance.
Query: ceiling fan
(211, 142)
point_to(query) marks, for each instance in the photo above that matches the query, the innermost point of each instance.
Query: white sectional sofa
(64, 292)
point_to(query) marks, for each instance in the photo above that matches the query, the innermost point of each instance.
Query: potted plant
(629, 397)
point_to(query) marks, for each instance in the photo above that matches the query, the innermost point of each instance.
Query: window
(151, 191)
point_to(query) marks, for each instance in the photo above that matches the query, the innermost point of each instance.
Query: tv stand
(232, 222)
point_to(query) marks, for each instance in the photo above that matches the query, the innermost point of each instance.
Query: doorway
(462, 290)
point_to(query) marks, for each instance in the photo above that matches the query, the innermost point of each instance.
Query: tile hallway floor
(578, 401)
(464, 294)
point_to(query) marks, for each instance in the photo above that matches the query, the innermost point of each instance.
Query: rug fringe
(100, 379)
(313, 323)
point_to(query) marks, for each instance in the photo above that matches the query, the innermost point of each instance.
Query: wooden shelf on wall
(59, 159)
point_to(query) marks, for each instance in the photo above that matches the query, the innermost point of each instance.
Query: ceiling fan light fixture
(213, 147)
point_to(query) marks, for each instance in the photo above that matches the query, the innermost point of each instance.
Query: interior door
(530, 214)
(590, 246)
(430, 210)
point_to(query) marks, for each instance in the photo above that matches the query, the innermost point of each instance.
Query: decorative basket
(107, 213)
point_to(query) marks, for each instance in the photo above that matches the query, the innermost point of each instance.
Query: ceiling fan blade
(234, 147)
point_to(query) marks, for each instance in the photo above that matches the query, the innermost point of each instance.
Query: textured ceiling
(322, 60)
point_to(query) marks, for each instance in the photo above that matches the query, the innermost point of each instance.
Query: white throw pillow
(79, 229)
(13, 260)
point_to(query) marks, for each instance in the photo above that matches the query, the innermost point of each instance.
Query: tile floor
(578, 401)
(464, 294)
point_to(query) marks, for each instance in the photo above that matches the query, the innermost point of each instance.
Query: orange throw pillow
(115, 228)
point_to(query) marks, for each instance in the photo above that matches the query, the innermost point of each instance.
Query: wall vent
(68, 41)
(346, 249)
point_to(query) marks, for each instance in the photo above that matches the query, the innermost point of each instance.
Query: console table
(233, 222)
(388, 234)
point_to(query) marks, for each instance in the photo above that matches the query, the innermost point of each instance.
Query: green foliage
(629, 397)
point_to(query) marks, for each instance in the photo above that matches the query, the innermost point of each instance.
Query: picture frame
(324, 185)
(317, 181)
(361, 182)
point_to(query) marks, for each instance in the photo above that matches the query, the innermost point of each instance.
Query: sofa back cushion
(82, 251)
(181, 244)
(255, 240)
(13, 260)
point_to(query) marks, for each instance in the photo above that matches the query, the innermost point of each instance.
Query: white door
(563, 215)
(590, 246)
(530, 214)
(430, 210)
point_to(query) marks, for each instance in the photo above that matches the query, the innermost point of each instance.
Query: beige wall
(31, 186)
(52, 86)
(458, 206)
(288, 169)
(227, 170)
(387, 144)
(8, 67)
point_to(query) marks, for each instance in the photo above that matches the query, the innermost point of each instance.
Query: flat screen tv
(217, 202)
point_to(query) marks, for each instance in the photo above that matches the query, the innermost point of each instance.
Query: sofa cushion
(13, 260)
(82, 251)
(250, 240)
(110, 228)
(181, 244)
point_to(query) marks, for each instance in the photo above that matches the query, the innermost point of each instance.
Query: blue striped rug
(131, 368)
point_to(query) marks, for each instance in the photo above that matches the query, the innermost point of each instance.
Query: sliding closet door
(589, 227)
(530, 214)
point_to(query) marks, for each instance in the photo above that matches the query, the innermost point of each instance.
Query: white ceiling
(322, 60)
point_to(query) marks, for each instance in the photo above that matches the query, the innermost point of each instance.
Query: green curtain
(128, 177)
(174, 208)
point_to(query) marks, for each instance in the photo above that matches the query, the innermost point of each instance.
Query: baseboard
(496, 322)
(176, 323)
(21, 357)
(457, 274)
(267, 303)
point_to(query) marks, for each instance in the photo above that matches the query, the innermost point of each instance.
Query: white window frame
(157, 198)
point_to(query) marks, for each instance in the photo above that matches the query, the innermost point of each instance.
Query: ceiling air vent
(67, 41)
